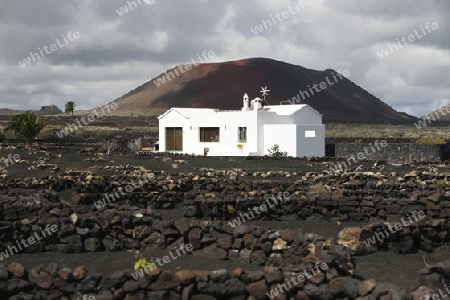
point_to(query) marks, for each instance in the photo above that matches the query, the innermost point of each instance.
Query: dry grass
(433, 135)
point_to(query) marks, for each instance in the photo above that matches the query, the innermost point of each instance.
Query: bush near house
(275, 151)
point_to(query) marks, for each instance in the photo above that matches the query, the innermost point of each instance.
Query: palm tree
(70, 107)
(27, 125)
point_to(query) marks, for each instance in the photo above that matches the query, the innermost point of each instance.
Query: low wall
(54, 282)
(215, 201)
(392, 153)
(211, 200)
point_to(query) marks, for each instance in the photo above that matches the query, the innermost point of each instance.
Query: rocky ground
(67, 182)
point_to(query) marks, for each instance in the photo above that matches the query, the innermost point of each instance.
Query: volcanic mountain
(222, 85)
(441, 114)
(45, 110)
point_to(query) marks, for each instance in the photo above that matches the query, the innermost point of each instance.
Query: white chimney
(257, 104)
(245, 106)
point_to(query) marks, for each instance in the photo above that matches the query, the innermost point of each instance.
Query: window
(209, 134)
(242, 134)
(310, 133)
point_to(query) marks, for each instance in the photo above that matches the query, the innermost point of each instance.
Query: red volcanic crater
(222, 85)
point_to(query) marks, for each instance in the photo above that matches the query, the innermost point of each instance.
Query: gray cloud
(115, 54)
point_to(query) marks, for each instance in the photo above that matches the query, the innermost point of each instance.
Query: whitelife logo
(319, 87)
(391, 48)
(114, 196)
(169, 75)
(439, 296)
(12, 159)
(53, 47)
(87, 297)
(166, 259)
(435, 116)
(124, 9)
(86, 120)
(263, 207)
(31, 240)
(341, 165)
(266, 24)
(281, 288)
(397, 227)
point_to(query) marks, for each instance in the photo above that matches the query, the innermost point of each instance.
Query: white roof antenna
(264, 91)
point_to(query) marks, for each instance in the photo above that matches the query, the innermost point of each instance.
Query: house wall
(309, 146)
(284, 135)
(291, 139)
(228, 123)
(284, 131)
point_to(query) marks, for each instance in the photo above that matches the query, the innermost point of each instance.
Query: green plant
(275, 151)
(142, 262)
(70, 107)
(27, 125)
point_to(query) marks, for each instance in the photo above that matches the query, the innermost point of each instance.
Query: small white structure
(254, 129)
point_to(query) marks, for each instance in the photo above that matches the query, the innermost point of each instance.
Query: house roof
(287, 109)
(283, 109)
(189, 112)
(278, 109)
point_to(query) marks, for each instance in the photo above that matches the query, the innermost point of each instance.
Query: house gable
(171, 111)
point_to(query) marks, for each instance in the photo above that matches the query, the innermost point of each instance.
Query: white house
(254, 129)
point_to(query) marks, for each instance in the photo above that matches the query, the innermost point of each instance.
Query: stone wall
(393, 153)
(218, 199)
(54, 282)
(211, 200)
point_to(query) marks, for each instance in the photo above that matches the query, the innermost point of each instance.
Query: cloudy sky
(110, 53)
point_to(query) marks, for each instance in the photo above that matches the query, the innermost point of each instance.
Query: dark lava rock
(90, 283)
(92, 244)
(231, 288)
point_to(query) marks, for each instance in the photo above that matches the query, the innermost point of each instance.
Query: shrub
(27, 126)
(275, 151)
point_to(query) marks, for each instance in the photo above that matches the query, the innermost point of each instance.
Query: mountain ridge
(45, 110)
(222, 85)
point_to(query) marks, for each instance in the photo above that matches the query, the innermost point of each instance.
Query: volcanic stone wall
(392, 153)
(211, 200)
(217, 198)
(54, 282)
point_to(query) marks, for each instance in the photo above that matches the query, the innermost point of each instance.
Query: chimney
(245, 106)
(257, 103)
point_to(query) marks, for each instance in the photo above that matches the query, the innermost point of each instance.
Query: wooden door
(174, 139)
